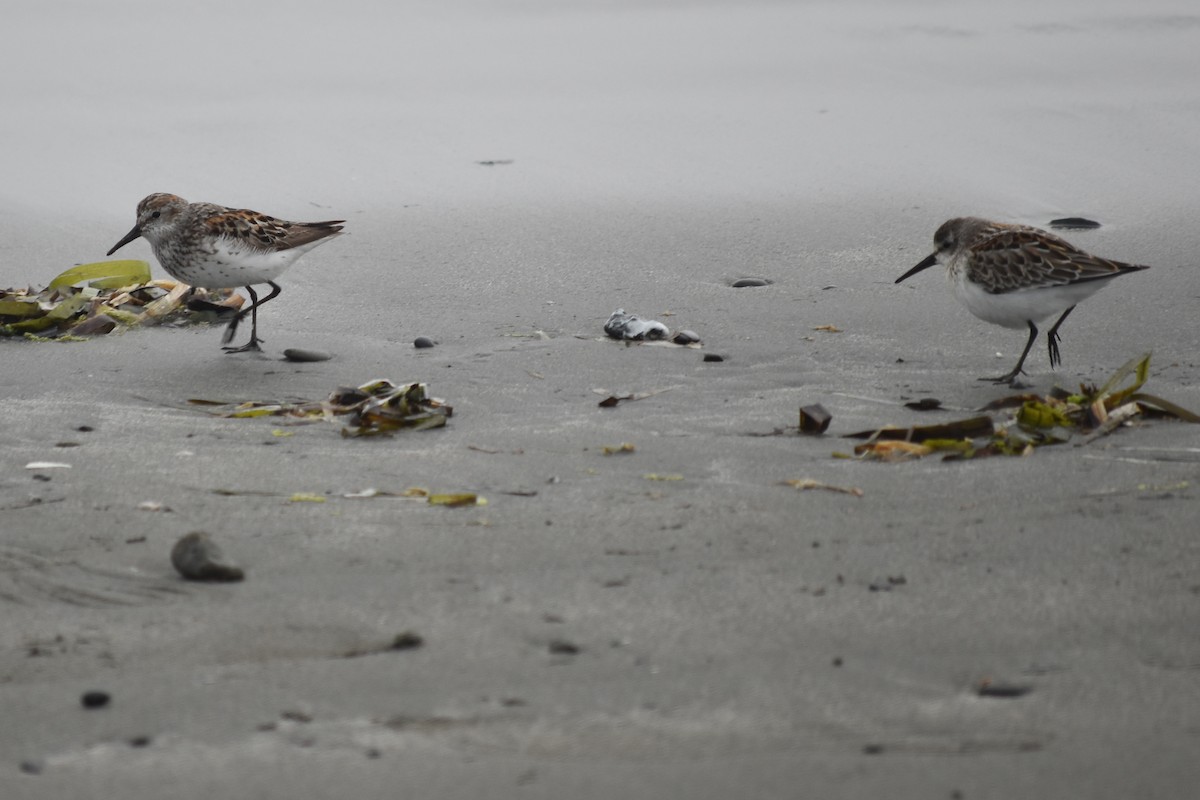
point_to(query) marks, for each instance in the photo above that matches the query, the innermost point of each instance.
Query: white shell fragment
(630, 326)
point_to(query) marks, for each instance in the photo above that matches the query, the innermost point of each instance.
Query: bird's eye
(156, 215)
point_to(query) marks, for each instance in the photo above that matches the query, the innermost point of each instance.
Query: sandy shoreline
(733, 636)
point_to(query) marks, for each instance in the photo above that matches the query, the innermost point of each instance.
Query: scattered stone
(409, 640)
(198, 558)
(95, 699)
(993, 688)
(887, 584)
(561, 647)
(814, 419)
(298, 354)
(686, 337)
(713, 358)
(423, 342)
(872, 749)
(1074, 224)
(31, 766)
(85, 429)
(747, 283)
(140, 741)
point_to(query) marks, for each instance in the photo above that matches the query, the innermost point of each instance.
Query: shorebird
(215, 247)
(1016, 276)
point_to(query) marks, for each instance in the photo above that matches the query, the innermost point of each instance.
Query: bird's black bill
(129, 237)
(926, 264)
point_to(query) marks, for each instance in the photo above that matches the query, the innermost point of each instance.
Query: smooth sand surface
(735, 637)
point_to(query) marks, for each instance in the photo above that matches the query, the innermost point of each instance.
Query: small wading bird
(1016, 276)
(214, 247)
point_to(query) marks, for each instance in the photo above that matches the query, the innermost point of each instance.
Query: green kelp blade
(972, 428)
(1139, 367)
(1036, 414)
(20, 308)
(105, 274)
(69, 307)
(1166, 406)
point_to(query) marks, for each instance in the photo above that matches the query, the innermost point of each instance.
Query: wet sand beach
(671, 621)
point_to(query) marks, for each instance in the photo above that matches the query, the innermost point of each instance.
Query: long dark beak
(135, 233)
(926, 264)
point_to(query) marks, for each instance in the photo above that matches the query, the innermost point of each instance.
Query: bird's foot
(251, 346)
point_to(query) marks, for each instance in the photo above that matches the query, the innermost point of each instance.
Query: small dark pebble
(373, 752)
(32, 767)
(887, 584)
(297, 354)
(495, 162)
(513, 702)
(685, 337)
(924, 404)
(85, 429)
(41, 477)
(814, 419)
(837, 662)
(746, 283)
(409, 640)
(1074, 224)
(713, 358)
(95, 699)
(872, 749)
(140, 741)
(562, 647)
(990, 688)
(422, 342)
(198, 558)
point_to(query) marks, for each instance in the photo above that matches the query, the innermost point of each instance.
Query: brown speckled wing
(269, 233)
(1020, 257)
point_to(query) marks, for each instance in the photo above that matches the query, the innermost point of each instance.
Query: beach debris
(152, 505)
(814, 419)
(113, 295)
(198, 558)
(624, 448)
(828, 329)
(749, 283)
(307, 497)
(887, 584)
(925, 404)
(803, 484)
(654, 476)
(1074, 224)
(377, 407)
(302, 356)
(563, 647)
(95, 699)
(613, 399)
(47, 465)
(686, 337)
(423, 342)
(456, 499)
(989, 687)
(495, 162)
(713, 358)
(1033, 421)
(631, 327)
(408, 640)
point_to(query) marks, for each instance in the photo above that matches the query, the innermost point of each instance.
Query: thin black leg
(1009, 377)
(254, 342)
(1053, 339)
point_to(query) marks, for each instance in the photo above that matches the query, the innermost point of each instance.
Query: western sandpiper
(214, 247)
(1017, 275)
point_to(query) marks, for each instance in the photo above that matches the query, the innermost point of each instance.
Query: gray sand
(729, 640)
